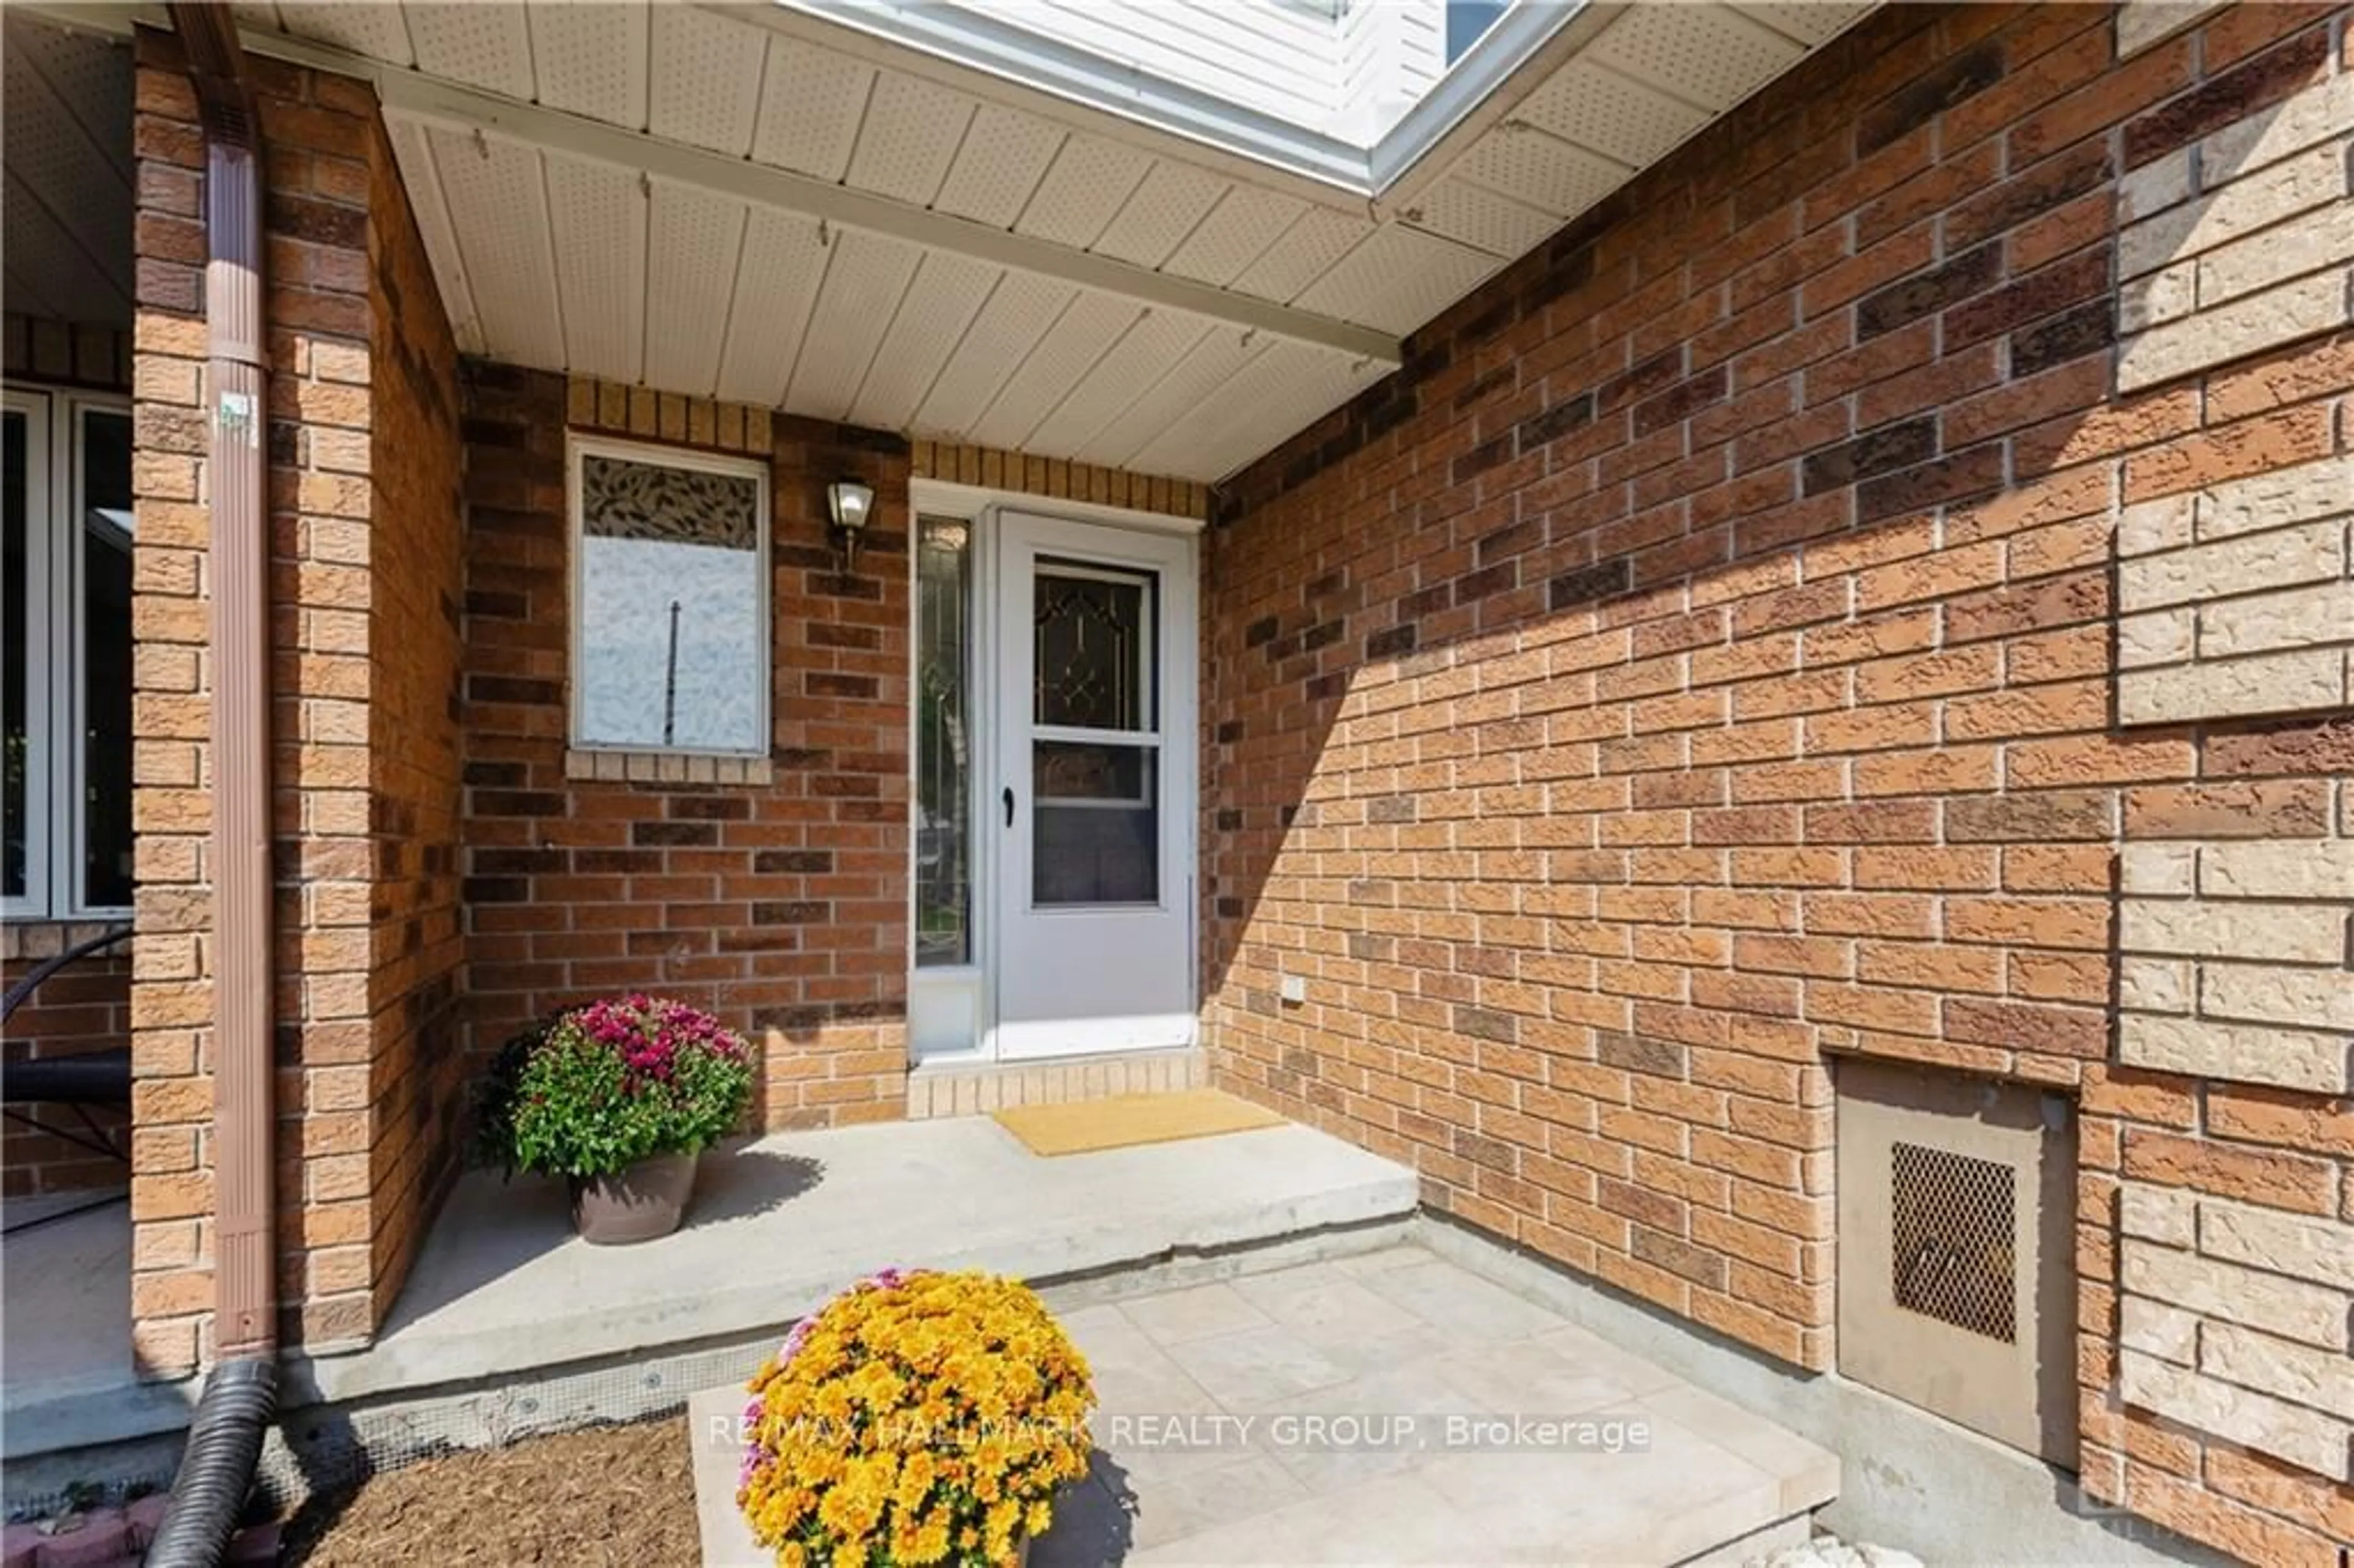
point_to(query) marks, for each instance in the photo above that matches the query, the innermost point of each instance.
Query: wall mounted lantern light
(850, 502)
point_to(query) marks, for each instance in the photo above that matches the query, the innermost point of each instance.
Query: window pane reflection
(15, 721)
(106, 533)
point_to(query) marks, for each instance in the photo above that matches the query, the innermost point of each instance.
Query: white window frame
(30, 642)
(55, 707)
(578, 447)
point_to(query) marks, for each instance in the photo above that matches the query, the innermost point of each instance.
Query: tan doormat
(1083, 1127)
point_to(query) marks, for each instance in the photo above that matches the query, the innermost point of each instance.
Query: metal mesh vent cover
(1954, 1224)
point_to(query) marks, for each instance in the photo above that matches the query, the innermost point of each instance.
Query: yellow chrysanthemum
(923, 1417)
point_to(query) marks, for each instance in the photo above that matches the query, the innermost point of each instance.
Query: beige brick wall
(2242, 240)
(2238, 600)
(2233, 1322)
(2235, 1258)
(2233, 961)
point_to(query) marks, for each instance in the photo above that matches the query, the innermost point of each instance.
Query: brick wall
(86, 1007)
(65, 354)
(360, 968)
(416, 599)
(777, 898)
(1696, 665)
(171, 1194)
(993, 468)
(2232, 1173)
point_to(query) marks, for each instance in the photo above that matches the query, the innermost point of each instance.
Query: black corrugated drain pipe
(233, 1417)
(217, 1470)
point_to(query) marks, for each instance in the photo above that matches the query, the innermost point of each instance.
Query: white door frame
(941, 998)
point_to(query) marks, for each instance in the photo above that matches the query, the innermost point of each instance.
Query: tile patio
(1210, 1451)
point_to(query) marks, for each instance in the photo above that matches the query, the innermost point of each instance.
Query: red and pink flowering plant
(592, 1091)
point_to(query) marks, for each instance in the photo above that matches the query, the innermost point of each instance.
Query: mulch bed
(617, 1496)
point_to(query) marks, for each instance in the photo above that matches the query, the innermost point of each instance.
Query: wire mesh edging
(329, 1447)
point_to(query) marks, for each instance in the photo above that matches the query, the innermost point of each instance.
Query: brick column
(171, 1188)
(366, 966)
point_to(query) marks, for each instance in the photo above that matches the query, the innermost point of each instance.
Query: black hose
(216, 1468)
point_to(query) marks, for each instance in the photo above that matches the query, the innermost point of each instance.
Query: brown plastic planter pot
(646, 1201)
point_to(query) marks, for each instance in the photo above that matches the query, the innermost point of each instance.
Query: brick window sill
(34, 939)
(667, 768)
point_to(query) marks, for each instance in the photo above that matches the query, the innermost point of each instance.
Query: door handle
(1009, 805)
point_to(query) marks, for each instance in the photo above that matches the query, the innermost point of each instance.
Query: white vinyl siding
(1266, 55)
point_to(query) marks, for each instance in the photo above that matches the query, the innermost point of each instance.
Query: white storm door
(1094, 800)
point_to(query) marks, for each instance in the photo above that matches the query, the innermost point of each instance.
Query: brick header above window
(35, 348)
(612, 408)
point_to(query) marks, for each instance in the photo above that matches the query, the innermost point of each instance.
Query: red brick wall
(64, 353)
(416, 599)
(363, 646)
(782, 905)
(84, 1007)
(1696, 664)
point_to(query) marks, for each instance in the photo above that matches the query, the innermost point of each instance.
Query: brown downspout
(226, 1433)
(244, 1280)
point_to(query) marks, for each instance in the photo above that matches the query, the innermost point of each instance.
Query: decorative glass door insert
(1094, 744)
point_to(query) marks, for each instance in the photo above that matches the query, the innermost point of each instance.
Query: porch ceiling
(764, 204)
(66, 230)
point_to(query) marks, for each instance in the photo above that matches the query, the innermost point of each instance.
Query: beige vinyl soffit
(962, 35)
(478, 112)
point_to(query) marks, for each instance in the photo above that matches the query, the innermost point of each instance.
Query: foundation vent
(1956, 1220)
(1955, 1257)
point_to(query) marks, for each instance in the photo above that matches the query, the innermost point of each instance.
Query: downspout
(225, 1436)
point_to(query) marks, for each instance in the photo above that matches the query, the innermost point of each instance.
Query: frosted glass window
(671, 603)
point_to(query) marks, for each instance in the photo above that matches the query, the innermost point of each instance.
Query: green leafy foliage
(593, 1091)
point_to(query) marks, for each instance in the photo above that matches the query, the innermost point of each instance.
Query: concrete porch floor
(1208, 1454)
(66, 1376)
(503, 1287)
(65, 1282)
(503, 1294)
